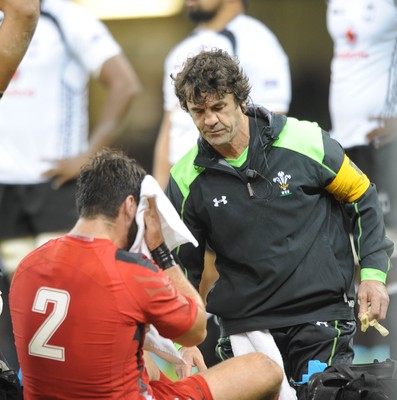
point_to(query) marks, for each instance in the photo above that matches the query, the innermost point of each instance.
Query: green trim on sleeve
(372, 274)
(177, 345)
(303, 137)
(184, 172)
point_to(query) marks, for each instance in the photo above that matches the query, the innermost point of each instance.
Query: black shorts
(329, 342)
(29, 210)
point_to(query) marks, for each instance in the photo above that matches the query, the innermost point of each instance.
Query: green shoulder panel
(302, 137)
(184, 172)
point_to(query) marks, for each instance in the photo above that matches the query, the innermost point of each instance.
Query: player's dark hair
(105, 182)
(210, 73)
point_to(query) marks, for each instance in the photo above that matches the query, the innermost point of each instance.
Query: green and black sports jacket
(279, 223)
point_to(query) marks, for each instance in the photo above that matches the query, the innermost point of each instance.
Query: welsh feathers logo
(282, 179)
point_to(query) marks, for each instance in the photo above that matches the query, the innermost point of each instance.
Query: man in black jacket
(277, 200)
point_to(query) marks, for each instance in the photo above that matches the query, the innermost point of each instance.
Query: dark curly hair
(212, 72)
(105, 182)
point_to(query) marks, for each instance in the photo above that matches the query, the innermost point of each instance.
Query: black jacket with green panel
(279, 222)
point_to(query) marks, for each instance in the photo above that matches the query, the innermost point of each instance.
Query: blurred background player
(363, 110)
(44, 124)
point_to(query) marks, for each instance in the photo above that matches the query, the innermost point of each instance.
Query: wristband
(163, 257)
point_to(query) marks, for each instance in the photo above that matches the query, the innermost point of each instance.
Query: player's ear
(129, 206)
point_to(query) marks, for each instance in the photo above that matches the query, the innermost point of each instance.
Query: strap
(57, 24)
(230, 35)
(393, 365)
(345, 370)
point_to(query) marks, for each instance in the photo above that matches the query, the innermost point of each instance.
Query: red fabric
(100, 306)
(194, 387)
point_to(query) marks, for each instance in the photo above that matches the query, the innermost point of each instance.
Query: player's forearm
(122, 85)
(184, 286)
(16, 31)
(161, 164)
(198, 331)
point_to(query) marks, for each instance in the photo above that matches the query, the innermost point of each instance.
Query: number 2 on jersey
(39, 346)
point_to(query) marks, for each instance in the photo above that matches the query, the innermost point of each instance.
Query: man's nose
(210, 118)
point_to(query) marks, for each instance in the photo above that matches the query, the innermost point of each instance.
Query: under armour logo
(217, 202)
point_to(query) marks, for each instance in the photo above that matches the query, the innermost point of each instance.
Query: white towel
(174, 230)
(175, 233)
(263, 342)
(162, 347)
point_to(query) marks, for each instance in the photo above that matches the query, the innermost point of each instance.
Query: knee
(268, 372)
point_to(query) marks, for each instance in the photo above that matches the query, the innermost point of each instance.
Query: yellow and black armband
(350, 183)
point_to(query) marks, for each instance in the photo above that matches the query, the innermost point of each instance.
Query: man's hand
(65, 170)
(386, 134)
(373, 294)
(193, 358)
(153, 234)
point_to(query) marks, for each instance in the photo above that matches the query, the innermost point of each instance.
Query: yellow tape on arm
(350, 182)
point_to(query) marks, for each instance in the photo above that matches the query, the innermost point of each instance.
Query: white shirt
(261, 57)
(44, 112)
(364, 67)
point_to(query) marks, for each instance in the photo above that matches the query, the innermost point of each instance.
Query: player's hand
(193, 358)
(64, 170)
(373, 294)
(385, 134)
(153, 235)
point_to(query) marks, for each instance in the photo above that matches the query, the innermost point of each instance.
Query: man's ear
(130, 206)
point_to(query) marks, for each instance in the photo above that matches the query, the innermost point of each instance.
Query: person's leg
(263, 341)
(391, 320)
(329, 342)
(16, 236)
(392, 312)
(209, 277)
(53, 211)
(384, 171)
(7, 346)
(248, 377)
(15, 242)
(208, 347)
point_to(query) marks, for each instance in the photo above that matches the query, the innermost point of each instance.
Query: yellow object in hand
(366, 323)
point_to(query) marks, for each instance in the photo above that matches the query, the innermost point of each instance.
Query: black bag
(374, 381)
(10, 388)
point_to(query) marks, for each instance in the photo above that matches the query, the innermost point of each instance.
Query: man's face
(202, 10)
(218, 120)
